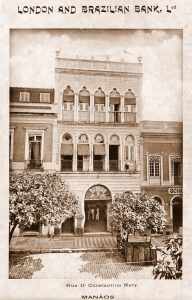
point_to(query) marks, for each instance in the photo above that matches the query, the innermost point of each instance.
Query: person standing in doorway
(97, 214)
(92, 214)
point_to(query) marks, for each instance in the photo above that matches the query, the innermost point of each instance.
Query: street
(76, 266)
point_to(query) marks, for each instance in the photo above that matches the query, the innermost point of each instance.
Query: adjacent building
(89, 128)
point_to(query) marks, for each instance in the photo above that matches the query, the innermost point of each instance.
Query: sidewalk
(69, 244)
(62, 244)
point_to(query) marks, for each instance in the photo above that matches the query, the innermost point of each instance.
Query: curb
(65, 250)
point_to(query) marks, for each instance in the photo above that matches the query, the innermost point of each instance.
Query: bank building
(89, 128)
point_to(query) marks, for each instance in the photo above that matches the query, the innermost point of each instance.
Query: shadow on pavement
(23, 265)
(106, 265)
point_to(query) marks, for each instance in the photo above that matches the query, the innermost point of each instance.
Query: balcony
(98, 165)
(99, 116)
(84, 116)
(129, 117)
(68, 115)
(114, 165)
(115, 117)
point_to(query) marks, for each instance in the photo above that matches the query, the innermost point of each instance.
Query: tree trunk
(11, 232)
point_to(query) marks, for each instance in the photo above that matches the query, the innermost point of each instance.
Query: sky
(32, 61)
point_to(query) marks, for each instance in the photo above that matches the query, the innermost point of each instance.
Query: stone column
(91, 155)
(122, 155)
(107, 108)
(54, 147)
(76, 105)
(91, 108)
(107, 155)
(122, 109)
(75, 156)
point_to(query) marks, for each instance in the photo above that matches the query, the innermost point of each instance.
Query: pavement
(78, 266)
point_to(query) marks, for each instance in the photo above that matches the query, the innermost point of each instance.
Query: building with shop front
(89, 128)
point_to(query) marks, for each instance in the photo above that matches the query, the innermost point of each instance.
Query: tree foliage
(169, 264)
(136, 212)
(41, 198)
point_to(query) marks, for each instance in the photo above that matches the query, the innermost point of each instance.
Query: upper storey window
(114, 100)
(154, 166)
(84, 99)
(130, 101)
(68, 98)
(99, 100)
(176, 170)
(45, 97)
(24, 96)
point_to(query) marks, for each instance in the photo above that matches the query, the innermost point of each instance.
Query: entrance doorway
(97, 205)
(95, 216)
(177, 210)
(68, 226)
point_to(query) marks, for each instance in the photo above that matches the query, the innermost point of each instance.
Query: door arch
(97, 204)
(177, 213)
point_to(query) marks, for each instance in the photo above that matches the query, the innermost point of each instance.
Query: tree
(41, 198)
(136, 212)
(169, 265)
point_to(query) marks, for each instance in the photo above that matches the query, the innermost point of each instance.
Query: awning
(99, 149)
(130, 101)
(99, 100)
(66, 149)
(83, 149)
(68, 98)
(114, 100)
(84, 99)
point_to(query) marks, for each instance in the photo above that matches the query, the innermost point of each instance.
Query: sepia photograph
(96, 156)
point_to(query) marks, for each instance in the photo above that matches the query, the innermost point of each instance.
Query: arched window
(67, 152)
(68, 98)
(99, 105)
(84, 105)
(129, 101)
(68, 104)
(130, 148)
(114, 101)
(129, 107)
(83, 153)
(84, 99)
(98, 153)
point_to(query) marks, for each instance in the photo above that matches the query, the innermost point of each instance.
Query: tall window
(114, 100)
(129, 106)
(45, 97)
(35, 147)
(176, 170)
(130, 148)
(83, 153)
(68, 98)
(98, 153)
(67, 153)
(24, 96)
(154, 166)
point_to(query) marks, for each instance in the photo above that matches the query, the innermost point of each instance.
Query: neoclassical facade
(89, 128)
